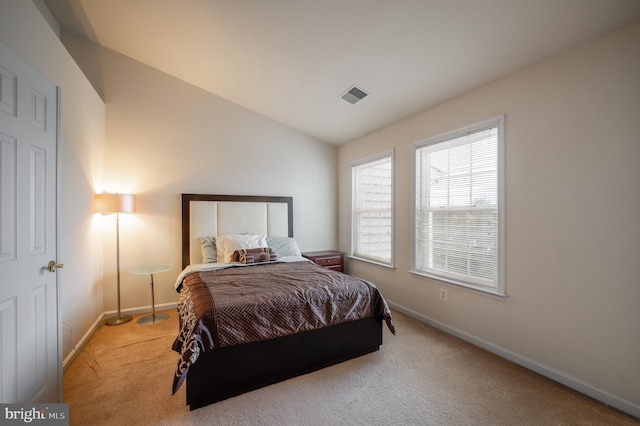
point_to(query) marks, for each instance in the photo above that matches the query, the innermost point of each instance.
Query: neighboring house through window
(459, 207)
(372, 209)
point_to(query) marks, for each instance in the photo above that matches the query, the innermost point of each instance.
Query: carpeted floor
(421, 376)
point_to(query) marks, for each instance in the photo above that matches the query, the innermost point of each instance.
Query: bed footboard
(230, 371)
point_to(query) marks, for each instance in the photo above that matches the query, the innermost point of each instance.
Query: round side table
(150, 270)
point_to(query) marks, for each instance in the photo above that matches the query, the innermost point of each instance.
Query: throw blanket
(245, 304)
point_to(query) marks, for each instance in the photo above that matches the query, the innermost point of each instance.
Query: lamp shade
(115, 203)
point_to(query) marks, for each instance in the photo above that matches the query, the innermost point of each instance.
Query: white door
(29, 330)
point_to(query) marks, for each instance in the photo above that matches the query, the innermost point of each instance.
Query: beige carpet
(421, 376)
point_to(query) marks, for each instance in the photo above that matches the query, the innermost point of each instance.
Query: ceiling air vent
(354, 94)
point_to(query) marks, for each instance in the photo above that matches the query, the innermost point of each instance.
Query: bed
(252, 310)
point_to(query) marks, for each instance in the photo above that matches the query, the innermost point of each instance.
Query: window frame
(499, 123)
(353, 234)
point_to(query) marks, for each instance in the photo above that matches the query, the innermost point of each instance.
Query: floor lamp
(116, 203)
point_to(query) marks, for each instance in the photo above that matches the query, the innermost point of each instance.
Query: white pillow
(227, 244)
(283, 246)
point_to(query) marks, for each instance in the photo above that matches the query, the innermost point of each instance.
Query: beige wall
(166, 137)
(573, 218)
(23, 29)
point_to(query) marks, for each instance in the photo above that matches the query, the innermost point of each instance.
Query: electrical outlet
(443, 295)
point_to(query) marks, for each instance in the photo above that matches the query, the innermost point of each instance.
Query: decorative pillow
(283, 246)
(255, 255)
(227, 244)
(209, 252)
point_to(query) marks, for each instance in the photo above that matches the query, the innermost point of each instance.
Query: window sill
(483, 291)
(372, 262)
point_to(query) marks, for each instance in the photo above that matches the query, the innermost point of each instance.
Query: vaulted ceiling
(291, 60)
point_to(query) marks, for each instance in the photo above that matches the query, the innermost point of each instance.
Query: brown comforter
(264, 301)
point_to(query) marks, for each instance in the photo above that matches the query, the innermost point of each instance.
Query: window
(459, 215)
(372, 209)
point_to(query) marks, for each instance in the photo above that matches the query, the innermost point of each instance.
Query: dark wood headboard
(186, 213)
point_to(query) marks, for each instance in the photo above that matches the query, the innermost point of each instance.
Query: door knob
(53, 266)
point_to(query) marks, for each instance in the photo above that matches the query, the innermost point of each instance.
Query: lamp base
(121, 319)
(153, 319)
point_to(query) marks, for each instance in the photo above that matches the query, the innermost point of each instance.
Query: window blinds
(372, 209)
(457, 209)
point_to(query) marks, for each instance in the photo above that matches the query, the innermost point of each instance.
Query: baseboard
(83, 341)
(549, 372)
(94, 327)
(143, 309)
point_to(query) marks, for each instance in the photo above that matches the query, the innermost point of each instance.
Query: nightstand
(330, 259)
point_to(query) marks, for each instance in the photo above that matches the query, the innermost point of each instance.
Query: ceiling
(290, 60)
